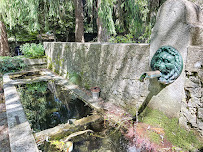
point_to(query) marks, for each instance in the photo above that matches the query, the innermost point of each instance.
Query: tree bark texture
(4, 48)
(79, 25)
(101, 33)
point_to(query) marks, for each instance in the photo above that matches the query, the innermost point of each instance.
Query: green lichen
(173, 132)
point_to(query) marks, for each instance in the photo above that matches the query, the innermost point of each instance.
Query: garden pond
(49, 106)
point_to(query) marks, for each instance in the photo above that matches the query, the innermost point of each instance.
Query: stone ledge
(40, 61)
(20, 134)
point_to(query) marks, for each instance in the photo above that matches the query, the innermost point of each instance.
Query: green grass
(173, 132)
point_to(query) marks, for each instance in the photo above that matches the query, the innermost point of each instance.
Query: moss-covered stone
(173, 132)
(154, 137)
(75, 78)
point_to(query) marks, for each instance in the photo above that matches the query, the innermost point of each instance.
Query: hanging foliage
(105, 13)
(37, 15)
(126, 18)
(129, 18)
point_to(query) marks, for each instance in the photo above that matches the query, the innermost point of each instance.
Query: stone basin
(22, 137)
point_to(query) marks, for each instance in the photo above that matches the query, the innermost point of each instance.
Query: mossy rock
(173, 132)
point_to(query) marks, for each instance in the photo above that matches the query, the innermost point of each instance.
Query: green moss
(173, 132)
(50, 66)
(133, 111)
(87, 85)
(75, 78)
(56, 71)
(154, 137)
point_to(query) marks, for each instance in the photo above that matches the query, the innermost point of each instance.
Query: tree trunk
(4, 48)
(101, 33)
(79, 25)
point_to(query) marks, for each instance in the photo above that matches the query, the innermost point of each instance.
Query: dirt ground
(4, 138)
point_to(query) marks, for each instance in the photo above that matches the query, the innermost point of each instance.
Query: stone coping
(39, 61)
(20, 133)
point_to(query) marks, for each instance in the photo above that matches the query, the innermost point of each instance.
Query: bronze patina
(169, 62)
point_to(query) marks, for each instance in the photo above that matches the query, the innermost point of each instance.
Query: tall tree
(105, 23)
(38, 16)
(79, 17)
(4, 48)
(102, 35)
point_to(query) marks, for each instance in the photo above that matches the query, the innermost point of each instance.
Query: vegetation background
(117, 21)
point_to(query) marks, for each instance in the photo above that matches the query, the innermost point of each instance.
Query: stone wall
(192, 106)
(35, 64)
(115, 68)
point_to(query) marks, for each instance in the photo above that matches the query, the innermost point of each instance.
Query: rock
(200, 113)
(183, 122)
(200, 126)
(1, 90)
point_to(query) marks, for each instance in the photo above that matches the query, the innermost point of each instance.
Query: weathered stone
(195, 102)
(200, 113)
(190, 84)
(115, 68)
(197, 32)
(192, 120)
(171, 29)
(194, 58)
(200, 126)
(20, 133)
(183, 122)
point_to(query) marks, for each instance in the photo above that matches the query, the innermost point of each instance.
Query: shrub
(128, 38)
(11, 64)
(32, 50)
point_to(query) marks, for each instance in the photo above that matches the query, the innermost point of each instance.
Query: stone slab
(20, 133)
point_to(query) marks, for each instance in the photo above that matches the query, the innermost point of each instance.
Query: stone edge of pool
(20, 133)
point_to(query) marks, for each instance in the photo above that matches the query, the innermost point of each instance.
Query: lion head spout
(169, 62)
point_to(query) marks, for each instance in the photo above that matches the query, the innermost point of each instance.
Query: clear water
(106, 139)
(46, 105)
